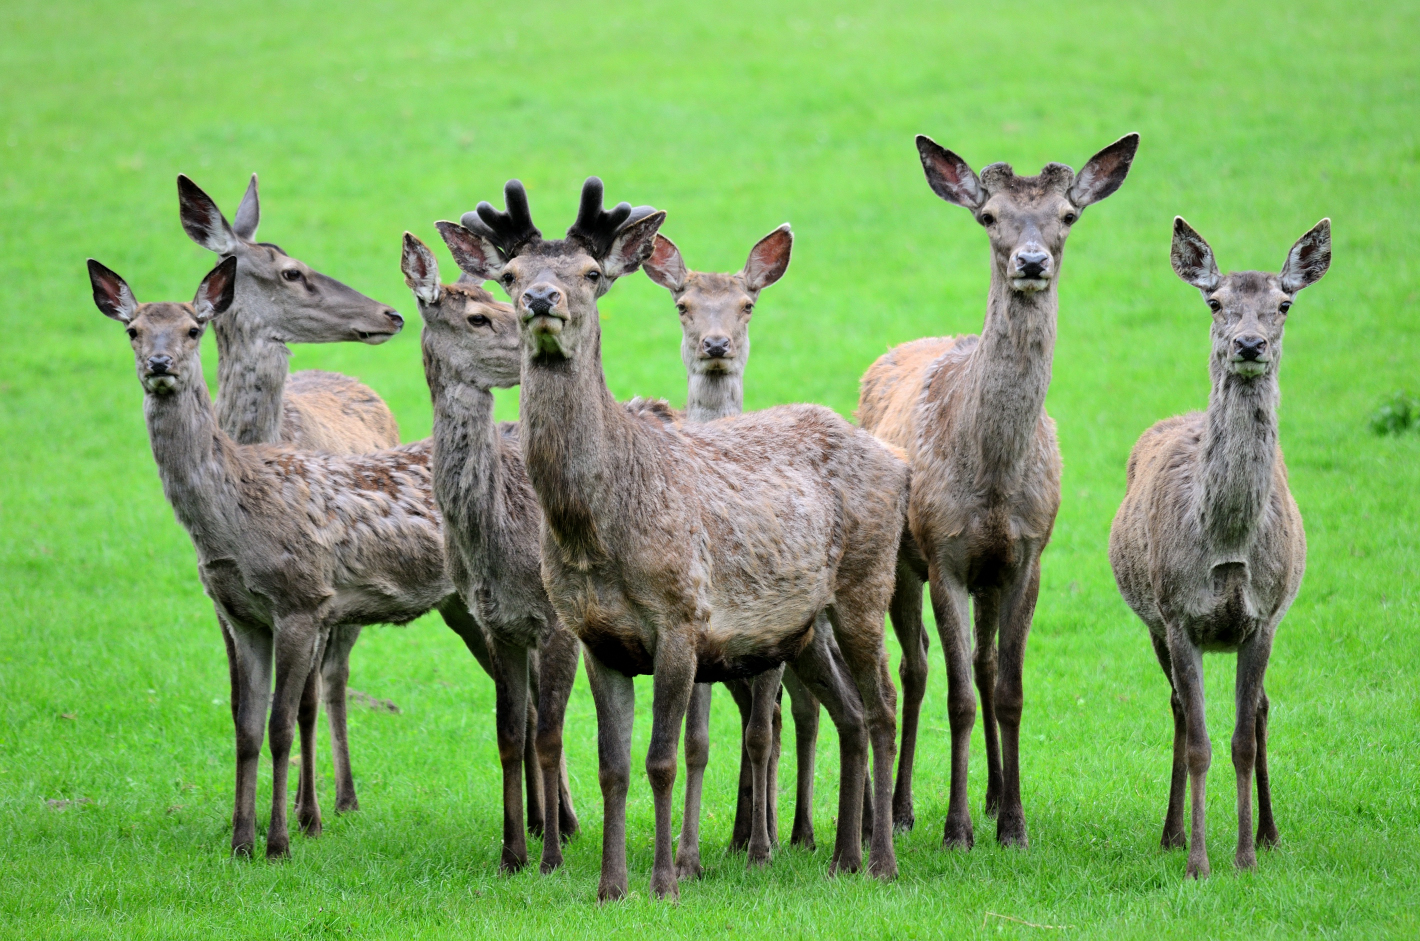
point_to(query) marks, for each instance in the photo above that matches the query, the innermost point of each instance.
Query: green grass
(367, 118)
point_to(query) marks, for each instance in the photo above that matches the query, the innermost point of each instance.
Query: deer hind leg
(532, 769)
(743, 694)
(510, 677)
(250, 652)
(759, 743)
(557, 669)
(805, 706)
(1266, 826)
(307, 805)
(1009, 701)
(1174, 836)
(776, 739)
(986, 609)
(906, 615)
(697, 756)
(672, 682)
(615, 699)
(335, 679)
(1187, 662)
(949, 606)
(297, 642)
(1252, 665)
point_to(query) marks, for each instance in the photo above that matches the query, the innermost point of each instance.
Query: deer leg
(743, 695)
(697, 756)
(297, 642)
(759, 744)
(557, 669)
(949, 606)
(615, 699)
(804, 706)
(1266, 826)
(776, 738)
(335, 678)
(1174, 836)
(821, 669)
(1252, 665)
(672, 682)
(510, 679)
(307, 805)
(1009, 701)
(532, 769)
(1187, 663)
(986, 611)
(906, 614)
(250, 650)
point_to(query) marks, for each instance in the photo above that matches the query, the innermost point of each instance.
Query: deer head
(1249, 307)
(1027, 218)
(282, 298)
(554, 284)
(715, 309)
(165, 336)
(468, 335)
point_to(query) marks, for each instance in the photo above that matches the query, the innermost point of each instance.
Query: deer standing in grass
(985, 464)
(291, 545)
(693, 552)
(1208, 547)
(492, 527)
(279, 300)
(715, 311)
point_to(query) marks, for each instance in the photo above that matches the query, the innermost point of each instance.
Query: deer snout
(1250, 349)
(715, 347)
(1032, 264)
(160, 364)
(394, 318)
(541, 300)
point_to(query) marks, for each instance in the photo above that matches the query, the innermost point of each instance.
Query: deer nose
(716, 347)
(395, 319)
(160, 364)
(1031, 264)
(1250, 349)
(541, 298)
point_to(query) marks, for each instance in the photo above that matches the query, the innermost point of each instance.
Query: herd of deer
(762, 550)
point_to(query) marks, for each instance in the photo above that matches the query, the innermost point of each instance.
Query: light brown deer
(1208, 547)
(492, 527)
(693, 552)
(715, 311)
(291, 545)
(985, 464)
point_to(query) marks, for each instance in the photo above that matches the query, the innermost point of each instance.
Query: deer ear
(1105, 172)
(472, 252)
(215, 293)
(111, 293)
(203, 221)
(1308, 259)
(769, 258)
(1192, 258)
(632, 245)
(665, 266)
(949, 176)
(421, 270)
(248, 213)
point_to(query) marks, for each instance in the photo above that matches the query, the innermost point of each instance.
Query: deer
(715, 311)
(970, 413)
(492, 528)
(293, 546)
(1208, 547)
(693, 552)
(279, 300)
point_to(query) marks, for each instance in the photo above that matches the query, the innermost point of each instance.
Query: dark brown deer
(969, 411)
(1208, 547)
(692, 552)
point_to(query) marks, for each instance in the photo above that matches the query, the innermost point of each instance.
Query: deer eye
(292, 274)
(593, 276)
(1285, 306)
(478, 320)
(507, 279)
(987, 218)
(195, 332)
(132, 333)
(682, 309)
(749, 308)
(1069, 218)
(1215, 305)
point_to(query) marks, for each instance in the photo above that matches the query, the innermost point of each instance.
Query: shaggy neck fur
(465, 463)
(251, 376)
(715, 395)
(1239, 453)
(194, 459)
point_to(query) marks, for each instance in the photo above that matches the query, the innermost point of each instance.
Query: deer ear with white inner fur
(1105, 172)
(248, 215)
(769, 258)
(203, 221)
(474, 253)
(421, 270)
(1308, 259)
(665, 266)
(111, 293)
(215, 293)
(632, 245)
(949, 176)
(1192, 258)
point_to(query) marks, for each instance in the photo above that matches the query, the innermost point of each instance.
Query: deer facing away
(1208, 547)
(985, 464)
(693, 552)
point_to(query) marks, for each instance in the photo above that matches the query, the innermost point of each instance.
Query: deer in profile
(292, 545)
(1208, 547)
(694, 552)
(970, 413)
(715, 311)
(492, 527)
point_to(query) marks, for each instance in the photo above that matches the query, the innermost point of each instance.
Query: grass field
(368, 118)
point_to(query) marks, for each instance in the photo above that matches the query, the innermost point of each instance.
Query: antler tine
(509, 230)
(596, 227)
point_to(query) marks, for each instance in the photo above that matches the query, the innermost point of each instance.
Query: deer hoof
(1011, 831)
(1267, 836)
(689, 868)
(957, 834)
(278, 849)
(664, 886)
(1198, 869)
(511, 862)
(1173, 838)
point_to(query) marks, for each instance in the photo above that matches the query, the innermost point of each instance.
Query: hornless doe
(492, 526)
(693, 552)
(970, 412)
(1208, 547)
(291, 545)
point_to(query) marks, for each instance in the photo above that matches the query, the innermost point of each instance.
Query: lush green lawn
(367, 118)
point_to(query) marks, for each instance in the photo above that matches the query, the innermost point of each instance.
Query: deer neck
(464, 463)
(251, 376)
(1009, 375)
(194, 458)
(715, 395)
(1239, 456)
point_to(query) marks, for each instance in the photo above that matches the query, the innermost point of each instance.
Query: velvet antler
(509, 230)
(596, 227)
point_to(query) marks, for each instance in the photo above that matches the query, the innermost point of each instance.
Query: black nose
(540, 299)
(1031, 264)
(1251, 348)
(395, 319)
(159, 365)
(716, 347)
